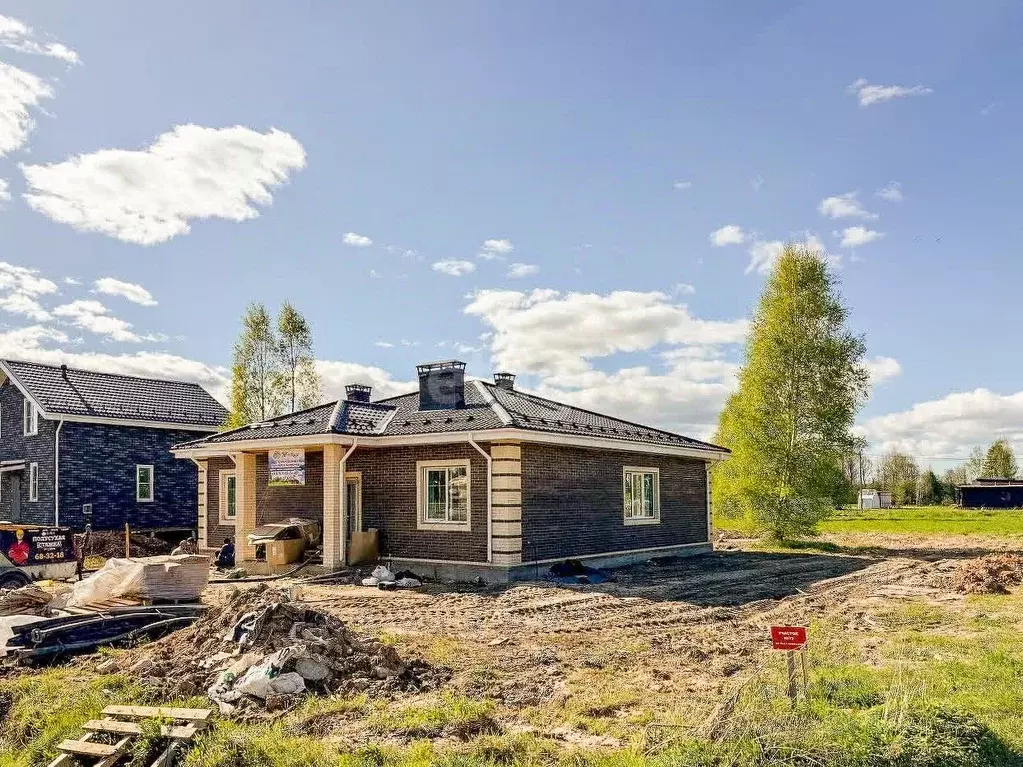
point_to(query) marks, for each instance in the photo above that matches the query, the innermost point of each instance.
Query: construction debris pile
(26, 600)
(990, 574)
(261, 652)
(110, 543)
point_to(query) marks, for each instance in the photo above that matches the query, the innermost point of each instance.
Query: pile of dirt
(110, 543)
(990, 574)
(261, 652)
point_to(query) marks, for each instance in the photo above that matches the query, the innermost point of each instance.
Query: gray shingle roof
(399, 416)
(534, 413)
(69, 391)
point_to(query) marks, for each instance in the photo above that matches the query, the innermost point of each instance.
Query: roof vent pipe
(358, 392)
(505, 381)
(441, 385)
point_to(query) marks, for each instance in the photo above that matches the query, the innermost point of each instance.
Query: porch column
(506, 500)
(202, 466)
(245, 523)
(332, 522)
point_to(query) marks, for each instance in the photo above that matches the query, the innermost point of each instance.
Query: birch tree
(789, 423)
(255, 370)
(299, 381)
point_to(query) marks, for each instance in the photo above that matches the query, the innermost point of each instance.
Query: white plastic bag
(287, 684)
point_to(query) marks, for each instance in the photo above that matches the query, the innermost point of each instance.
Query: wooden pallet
(120, 723)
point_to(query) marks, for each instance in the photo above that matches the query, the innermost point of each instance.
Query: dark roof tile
(110, 395)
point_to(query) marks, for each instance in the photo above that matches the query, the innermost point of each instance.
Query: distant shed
(991, 493)
(875, 499)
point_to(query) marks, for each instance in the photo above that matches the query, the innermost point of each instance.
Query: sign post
(790, 639)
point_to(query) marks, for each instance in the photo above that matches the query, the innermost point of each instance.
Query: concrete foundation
(538, 570)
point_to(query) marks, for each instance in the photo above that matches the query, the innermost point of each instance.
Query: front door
(15, 497)
(353, 505)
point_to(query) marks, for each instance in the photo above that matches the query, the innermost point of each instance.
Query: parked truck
(30, 553)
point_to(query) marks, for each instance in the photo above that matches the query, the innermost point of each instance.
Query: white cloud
(5, 191)
(454, 268)
(731, 234)
(129, 290)
(20, 91)
(151, 195)
(21, 279)
(684, 288)
(335, 375)
(356, 240)
(882, 369)
(869, 94)
(72, 281)
(854, 236)
(551, 333)
(495, 249)
(756, 183)
(20, 37)
(384, 344)
(26, 305)
(92, 316)
(949, 426)
(844, 206)
(890, 192)
(522, 270)
(680, 185)
(763, 254)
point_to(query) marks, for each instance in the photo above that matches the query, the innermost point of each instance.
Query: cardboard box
(284, 552)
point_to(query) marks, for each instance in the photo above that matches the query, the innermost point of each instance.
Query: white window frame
(138, 484)
(422, 523)
(224, 517)
(29, 418)
(33, 482)
(643, 519)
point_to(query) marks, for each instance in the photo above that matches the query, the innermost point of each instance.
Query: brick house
(79, 447)
(461, 478)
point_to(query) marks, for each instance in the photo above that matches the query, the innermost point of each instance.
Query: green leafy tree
(255, 370)
(299, 381)
(789, 423)
(898, 474)
(1000, 461)
(931, 490)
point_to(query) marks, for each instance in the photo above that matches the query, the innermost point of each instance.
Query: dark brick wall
(572, 502)
(15, 446)
(216, 532)
(97, 466)
(389, 502)
(277, 503)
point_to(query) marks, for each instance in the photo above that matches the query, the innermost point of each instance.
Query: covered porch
(241, 491)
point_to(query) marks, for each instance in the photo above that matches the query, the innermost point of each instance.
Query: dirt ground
(662, 642)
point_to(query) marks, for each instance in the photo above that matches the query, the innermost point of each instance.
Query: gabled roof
(487, 407)
(89, 395)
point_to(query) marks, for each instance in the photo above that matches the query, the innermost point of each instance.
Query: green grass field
(914, 520)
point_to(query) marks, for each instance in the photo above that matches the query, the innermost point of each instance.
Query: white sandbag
(288, 683)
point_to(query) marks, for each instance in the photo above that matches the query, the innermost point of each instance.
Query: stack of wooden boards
(120, 725)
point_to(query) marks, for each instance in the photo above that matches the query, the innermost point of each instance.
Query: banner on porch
(287, 467)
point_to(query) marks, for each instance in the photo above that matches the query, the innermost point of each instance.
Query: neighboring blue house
(79, 447)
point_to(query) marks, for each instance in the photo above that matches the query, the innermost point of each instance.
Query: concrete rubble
(261, 652)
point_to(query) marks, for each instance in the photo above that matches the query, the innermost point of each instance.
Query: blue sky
(597, 146)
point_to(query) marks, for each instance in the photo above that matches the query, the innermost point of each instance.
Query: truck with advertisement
(29, 553)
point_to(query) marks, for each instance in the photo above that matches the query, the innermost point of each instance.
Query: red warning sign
(788, 637)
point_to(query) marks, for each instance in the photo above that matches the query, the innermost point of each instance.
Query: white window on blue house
(30, 418)
(33, 482)
(642, 490)
(143, 482)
